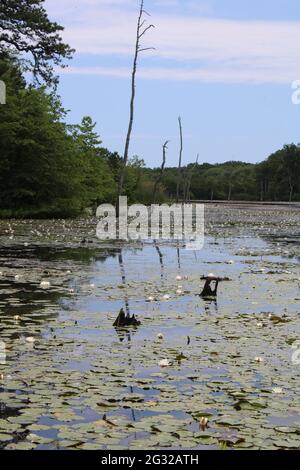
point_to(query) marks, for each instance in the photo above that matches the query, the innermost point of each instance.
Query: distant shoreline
(250, 203)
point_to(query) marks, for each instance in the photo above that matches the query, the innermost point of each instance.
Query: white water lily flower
(178, 278)
(30, 339)
(16, 317)
(92, 286)
(259, 324)
(258, 359)
(166, 297)
(17, 277)
(164, 363)
(160, 336)
(211, 275)
(45, 284)
(230, 262)
(179, 292)
(277, 390)
(150, 299)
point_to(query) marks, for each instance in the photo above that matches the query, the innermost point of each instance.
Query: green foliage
(46, 167)
(26, 30)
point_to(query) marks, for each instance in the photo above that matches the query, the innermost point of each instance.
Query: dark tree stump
(124, 320)
(208, 291)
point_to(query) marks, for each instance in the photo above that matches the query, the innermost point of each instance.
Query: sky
(225, 67)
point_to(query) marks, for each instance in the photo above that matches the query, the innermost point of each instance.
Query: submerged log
(125, 320)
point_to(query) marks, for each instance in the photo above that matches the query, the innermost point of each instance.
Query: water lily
(45, 284)
(160, 336)
(178, 278)
(30, 339)
(203, 423)
(150, 299)
(277, 390)
(258, 359)
(164, 363)
(179, 292)
(166, 297)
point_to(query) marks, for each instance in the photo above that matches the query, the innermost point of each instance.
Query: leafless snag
(140, 32)
(189, 181)
(158, 180)
(180, 161)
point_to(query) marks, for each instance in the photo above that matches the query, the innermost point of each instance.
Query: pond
(70, 380)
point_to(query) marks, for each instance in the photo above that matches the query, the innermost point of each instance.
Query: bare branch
(147, 49)
(145, 30)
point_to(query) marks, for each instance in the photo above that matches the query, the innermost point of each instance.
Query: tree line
(49, 168)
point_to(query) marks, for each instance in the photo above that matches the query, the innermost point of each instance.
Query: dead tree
(158, 180)
(180, 161)
(189, 181)
(141, 30)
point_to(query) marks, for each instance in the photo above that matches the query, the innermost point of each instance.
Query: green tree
(97, 178)
(26, 30)
(39, 171)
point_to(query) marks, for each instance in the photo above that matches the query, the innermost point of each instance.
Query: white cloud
(224, 75)
(189, 47)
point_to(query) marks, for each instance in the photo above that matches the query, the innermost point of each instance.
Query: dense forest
(49, 168)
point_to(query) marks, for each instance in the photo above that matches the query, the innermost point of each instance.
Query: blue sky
(225, 67)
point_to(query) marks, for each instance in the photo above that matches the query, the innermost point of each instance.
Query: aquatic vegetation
(83, 384)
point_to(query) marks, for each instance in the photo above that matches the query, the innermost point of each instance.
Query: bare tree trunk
(229, 191)
(185, 176)
(140, 31)
(165, 147)
(261, 191)
(291, 188)
(180, 161)
(189, 182)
